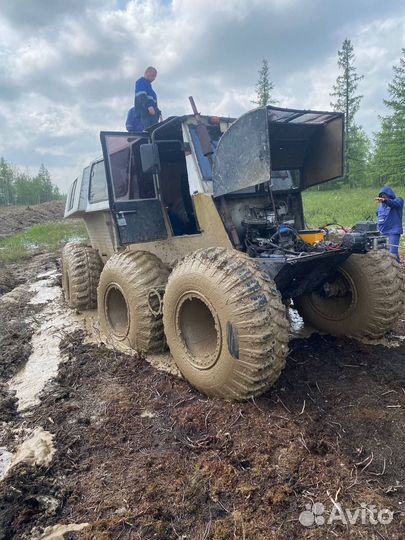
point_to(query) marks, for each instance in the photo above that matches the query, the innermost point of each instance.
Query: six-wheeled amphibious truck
(198, 242)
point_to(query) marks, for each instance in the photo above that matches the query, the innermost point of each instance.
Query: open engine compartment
(268, 224)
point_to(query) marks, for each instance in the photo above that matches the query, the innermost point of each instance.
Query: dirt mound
(14, 219)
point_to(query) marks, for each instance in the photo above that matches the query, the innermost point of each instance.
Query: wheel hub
(336, 299)
(116, 311)
(198, 326)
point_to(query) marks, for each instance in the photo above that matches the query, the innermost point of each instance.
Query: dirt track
(139, 454)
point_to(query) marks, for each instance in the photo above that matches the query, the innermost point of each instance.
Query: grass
(345, 207)
(41, 238)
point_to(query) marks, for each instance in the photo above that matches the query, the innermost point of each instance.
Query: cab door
(133, 194)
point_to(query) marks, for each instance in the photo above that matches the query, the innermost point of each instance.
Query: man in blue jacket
(145, 113)
(389, 217)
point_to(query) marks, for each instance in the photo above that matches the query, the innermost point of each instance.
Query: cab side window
(98, 183)
(129, 182)
(72, 195)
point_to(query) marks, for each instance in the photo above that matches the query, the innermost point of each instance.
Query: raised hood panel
(242, 158)
(272, 138)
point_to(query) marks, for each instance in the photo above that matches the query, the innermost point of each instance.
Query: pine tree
(348, 102)
(358, 156)
(26, 189)
(7, 191)
(45, 187)
(264, 86)
(388, 164)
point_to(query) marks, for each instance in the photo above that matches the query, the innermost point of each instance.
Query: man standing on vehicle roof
(145, 113)
(389, 217)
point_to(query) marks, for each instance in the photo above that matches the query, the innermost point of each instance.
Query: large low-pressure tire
(81, 268)
(225, 324)
(365, 300)
(131, 284)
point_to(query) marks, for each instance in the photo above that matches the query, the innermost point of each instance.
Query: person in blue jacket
(132, 124)
(389, 217)
(145, 112)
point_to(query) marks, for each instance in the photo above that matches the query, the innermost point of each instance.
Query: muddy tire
(81, 268)
(367, 298)
(126, 283)
(225, 324)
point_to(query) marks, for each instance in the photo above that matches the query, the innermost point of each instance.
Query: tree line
(17, 187)
(369, 162)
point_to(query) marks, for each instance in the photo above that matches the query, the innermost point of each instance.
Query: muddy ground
(135, 453)
(14, 219)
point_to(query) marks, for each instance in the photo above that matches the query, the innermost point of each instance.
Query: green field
(41, 238)
(345, 207)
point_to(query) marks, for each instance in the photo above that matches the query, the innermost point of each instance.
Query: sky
(67, 67)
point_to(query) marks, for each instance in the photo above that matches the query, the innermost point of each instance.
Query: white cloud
(65, 77)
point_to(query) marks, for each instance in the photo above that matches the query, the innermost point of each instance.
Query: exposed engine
(267, 234)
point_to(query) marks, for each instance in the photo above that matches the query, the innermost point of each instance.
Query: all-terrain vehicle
(198, 242)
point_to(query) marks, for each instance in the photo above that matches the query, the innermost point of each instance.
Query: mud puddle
(6, 458)
(37, 448)
(88, 321)
(45, 288)
(298, 328)
(54, 322)
(57, 532)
